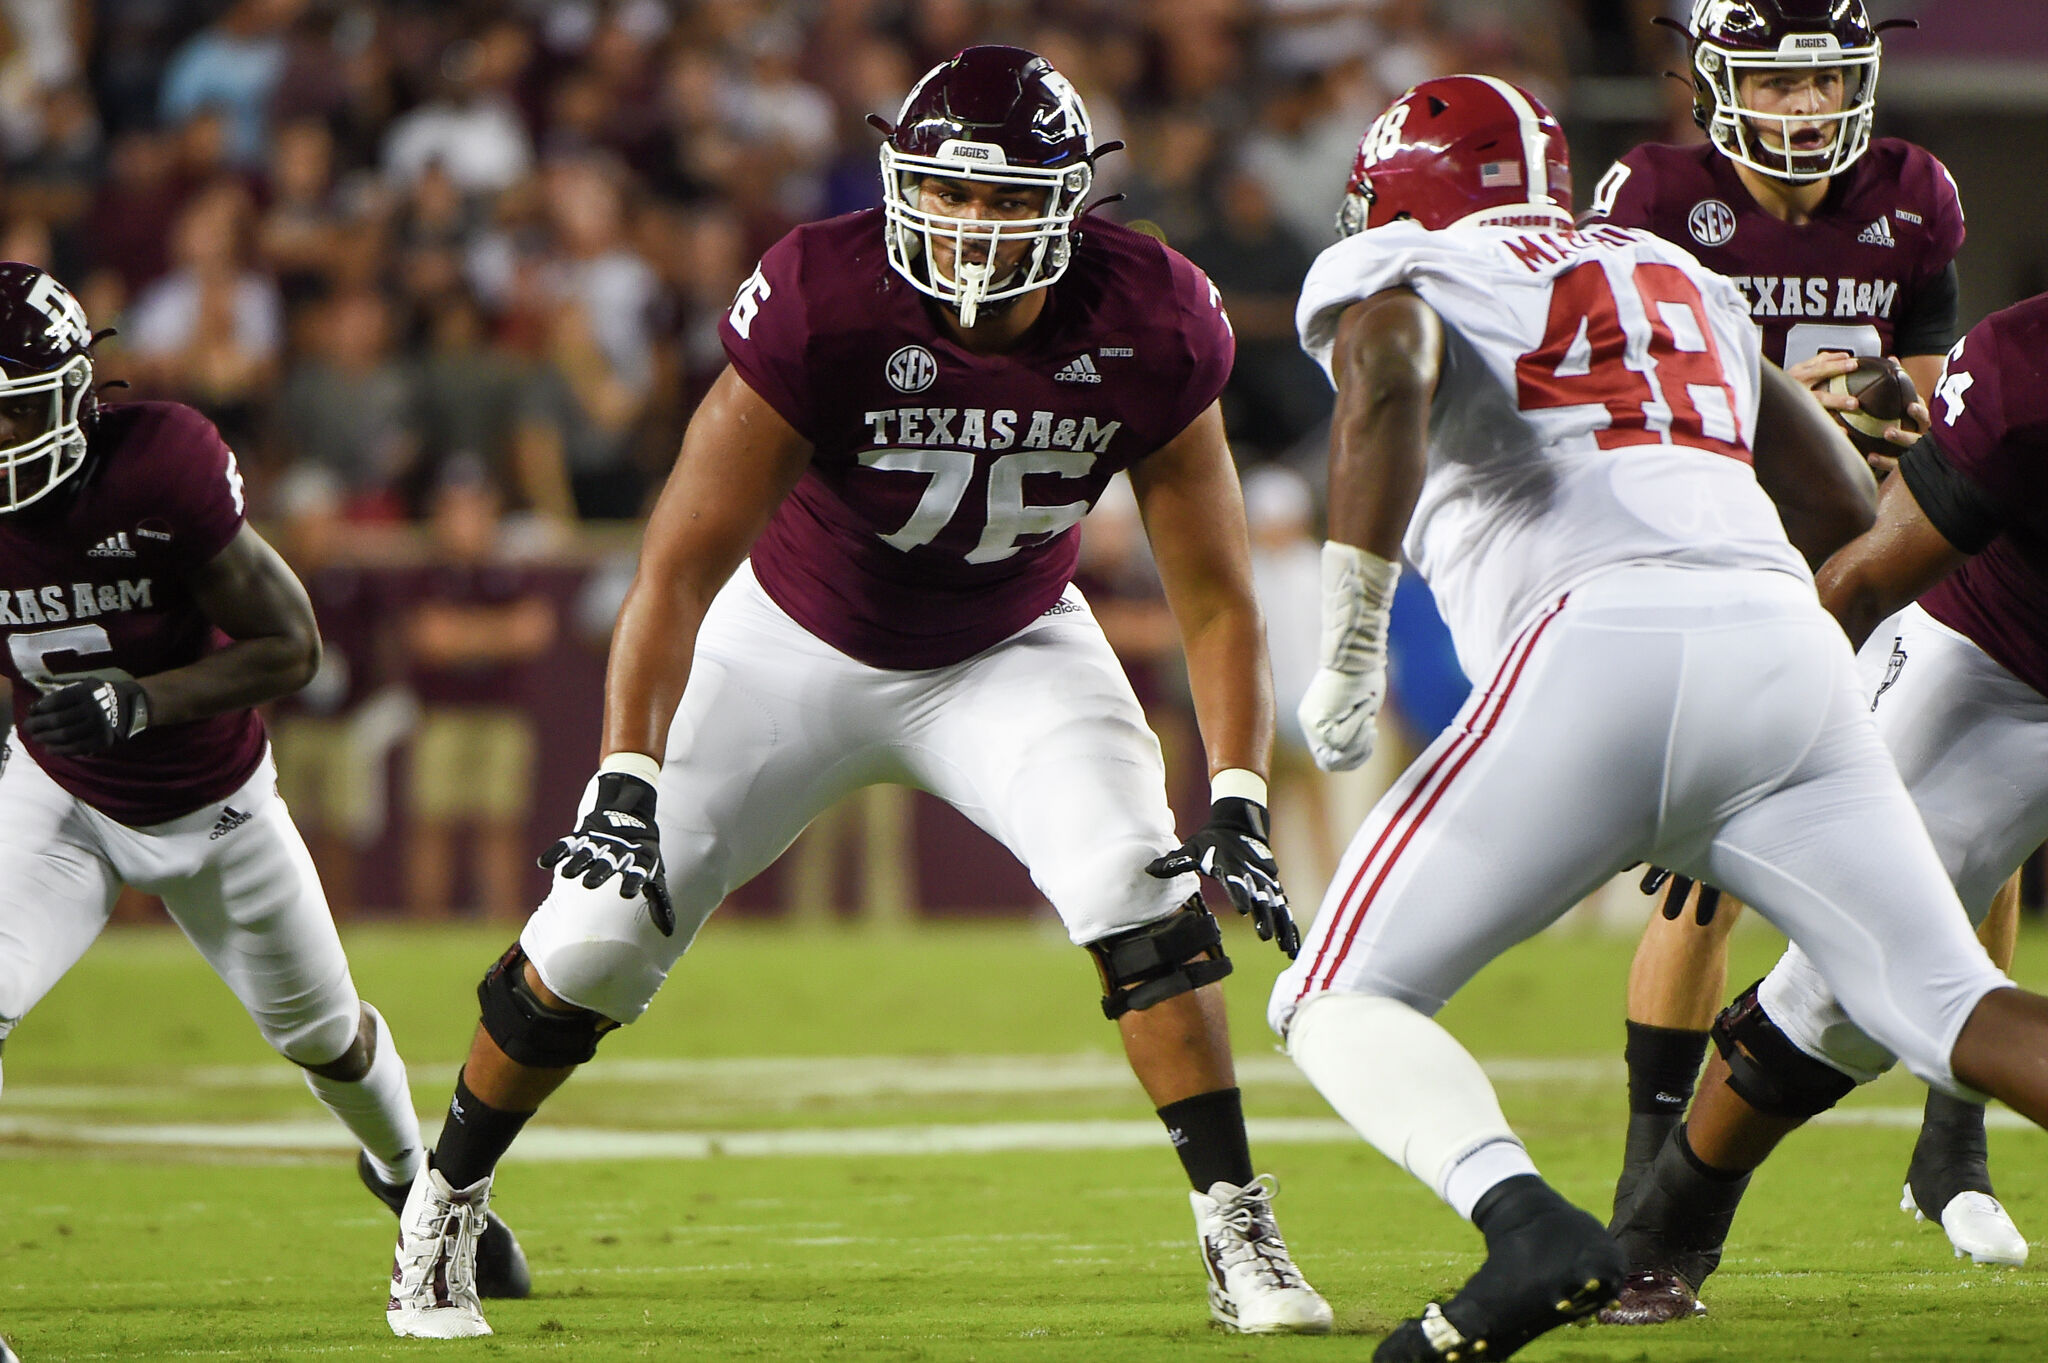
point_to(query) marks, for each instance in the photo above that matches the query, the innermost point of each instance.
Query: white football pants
(1708, 721)
(1971, 743)
(234, 876)
(1038, 740)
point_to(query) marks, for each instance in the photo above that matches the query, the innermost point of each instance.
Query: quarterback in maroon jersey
(859, 573)
(1958, 686)
(1843, 244)
(143, 619)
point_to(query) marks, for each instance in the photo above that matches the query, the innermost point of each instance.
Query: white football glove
(1339, 712)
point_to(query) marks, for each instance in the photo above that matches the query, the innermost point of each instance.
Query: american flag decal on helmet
(1500, 174)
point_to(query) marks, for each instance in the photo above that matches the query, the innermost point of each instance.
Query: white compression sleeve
(1414, 1093)
(377, 1108)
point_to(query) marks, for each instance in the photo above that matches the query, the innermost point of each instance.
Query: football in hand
(1883, 391)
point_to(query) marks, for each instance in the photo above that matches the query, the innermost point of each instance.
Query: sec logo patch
(912, 369)
(1711, 222)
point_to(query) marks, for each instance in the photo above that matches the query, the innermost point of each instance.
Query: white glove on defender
(1340, 710)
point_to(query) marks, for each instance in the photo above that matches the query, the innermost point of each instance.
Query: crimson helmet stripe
(1535, 146)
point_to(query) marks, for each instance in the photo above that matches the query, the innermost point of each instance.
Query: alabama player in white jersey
(1573, 437)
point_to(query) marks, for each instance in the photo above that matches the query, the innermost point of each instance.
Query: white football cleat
(8, 1355)
(433, 1279)
(1254, 1287)
(1978, 1225)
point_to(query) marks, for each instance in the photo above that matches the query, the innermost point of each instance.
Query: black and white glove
(87, 716)
(618, 838)
(1339, 711)
(1233, 850)
(1674, 898)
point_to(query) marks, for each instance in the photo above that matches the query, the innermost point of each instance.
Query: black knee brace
(1176, 955)
(528, 1030)
(1766, 1070)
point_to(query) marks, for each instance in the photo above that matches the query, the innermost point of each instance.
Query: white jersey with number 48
(1597, 399)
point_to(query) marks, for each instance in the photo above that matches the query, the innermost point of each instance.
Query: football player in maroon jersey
(144, 619)
(859, 572)
(1947, 595)
(1844, 245)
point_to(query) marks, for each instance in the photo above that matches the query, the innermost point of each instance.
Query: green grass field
(845, 1146)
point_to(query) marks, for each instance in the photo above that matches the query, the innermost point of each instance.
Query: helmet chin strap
(970, 284)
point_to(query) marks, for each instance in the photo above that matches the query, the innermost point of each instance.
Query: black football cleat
(501, 1270)
(1547, 1264)
(1653, 1296)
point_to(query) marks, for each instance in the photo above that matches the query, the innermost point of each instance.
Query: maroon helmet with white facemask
(989, 115)
(1457, 149)
(1731, 39)
(46, 361)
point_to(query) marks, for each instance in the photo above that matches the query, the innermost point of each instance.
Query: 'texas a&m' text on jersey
(94, 585)
(939, 513)
(1869, 274)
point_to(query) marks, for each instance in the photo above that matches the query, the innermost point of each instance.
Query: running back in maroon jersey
(96, 587)
(938, 514)
(1862, 276)
(1991, 426)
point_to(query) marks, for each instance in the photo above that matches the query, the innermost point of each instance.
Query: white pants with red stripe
(1705, 720)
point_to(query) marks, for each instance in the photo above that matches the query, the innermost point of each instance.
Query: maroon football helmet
(1455, 148)
(1731, 39)
(994, 115)
(45, 360)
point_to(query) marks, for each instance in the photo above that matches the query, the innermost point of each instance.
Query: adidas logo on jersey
(230, 819)
(1080, 370)
(113, 546)
(1878, 233)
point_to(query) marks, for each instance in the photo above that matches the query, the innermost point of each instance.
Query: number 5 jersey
(1597, 399)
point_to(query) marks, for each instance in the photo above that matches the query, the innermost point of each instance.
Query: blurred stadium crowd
(430, 264)
(370, 237)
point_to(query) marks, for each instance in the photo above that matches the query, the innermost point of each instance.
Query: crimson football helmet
(1731, 39)
(1460, 148)
(45, 383)
(992, 115)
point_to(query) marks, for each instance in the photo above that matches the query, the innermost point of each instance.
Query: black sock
(1951, 1155)
(1207, 1132)
(1512, 1202)
(1663, 1065)
(474, 1137)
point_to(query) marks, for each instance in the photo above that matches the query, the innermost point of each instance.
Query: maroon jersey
(97, 588)
(1991, 428)
(1861, 276)
(938, 516)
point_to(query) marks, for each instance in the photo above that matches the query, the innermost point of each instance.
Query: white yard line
(794, 1078)
(549, 1144)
